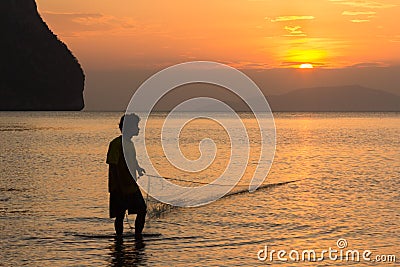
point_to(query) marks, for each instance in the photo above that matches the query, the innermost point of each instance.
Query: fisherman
(124, 191)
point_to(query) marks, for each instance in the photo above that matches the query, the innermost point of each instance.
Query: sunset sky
(106, 34)
(121, 43)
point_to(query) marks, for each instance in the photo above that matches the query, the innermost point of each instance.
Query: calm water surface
(53, 190)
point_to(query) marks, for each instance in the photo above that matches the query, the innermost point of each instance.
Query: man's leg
(140, 209)
(139, 222)
(119, 223)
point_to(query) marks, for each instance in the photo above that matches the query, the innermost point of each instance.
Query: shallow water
(53, 190)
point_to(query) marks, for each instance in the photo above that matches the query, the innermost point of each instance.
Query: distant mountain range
(319, 99)
(343, 98)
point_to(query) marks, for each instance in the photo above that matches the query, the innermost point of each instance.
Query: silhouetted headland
(37, 70)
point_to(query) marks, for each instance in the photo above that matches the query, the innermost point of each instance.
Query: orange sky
(121, 34)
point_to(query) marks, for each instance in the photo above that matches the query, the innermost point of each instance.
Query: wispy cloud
(395, 39)
(247, 65)
(71, 24)
(357, 13)
(363, 16)
(71, 15)
(359, 20)
(364, 4)
(368, 65)
(289, 18)
(294, 31)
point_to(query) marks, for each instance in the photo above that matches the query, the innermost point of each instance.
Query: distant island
(349, 98)
(338, 98)
(37, 70)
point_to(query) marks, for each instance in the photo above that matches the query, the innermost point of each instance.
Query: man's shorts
(134, 203)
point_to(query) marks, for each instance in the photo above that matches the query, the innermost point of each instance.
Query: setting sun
(306, 66)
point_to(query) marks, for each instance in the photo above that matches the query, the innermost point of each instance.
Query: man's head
(129, 125)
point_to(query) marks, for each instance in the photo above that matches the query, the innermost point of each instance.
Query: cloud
(359, 20)
(395, 39)
(368, 65)
(72, 24)
(294, 31)
(364, 4)
(72, 15)
(356, 13)
(364, 16)
(290, 18)
(247, 65)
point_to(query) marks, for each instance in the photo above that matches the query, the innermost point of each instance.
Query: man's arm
(139, 169)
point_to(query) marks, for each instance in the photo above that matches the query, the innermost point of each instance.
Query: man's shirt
(124, 182)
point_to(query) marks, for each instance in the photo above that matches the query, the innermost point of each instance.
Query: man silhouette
(124, 191)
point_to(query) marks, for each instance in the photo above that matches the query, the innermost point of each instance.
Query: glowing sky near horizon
(122, 34)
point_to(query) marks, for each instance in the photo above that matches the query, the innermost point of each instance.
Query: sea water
(54, 198)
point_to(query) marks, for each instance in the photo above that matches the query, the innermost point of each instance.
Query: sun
(306, 66)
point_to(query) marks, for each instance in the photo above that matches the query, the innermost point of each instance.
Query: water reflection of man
(127, 254)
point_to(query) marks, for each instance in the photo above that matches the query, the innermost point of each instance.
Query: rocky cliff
(37, 71)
